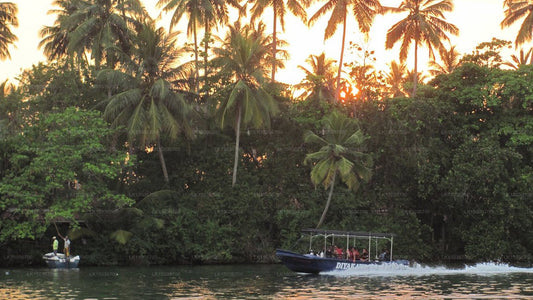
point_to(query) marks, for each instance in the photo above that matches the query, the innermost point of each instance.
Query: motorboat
(61, 261)
(325, 261)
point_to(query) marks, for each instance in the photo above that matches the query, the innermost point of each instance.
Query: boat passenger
(55, 245)
(356, 254)
(387, 254)
(339, 252)
(66, 246)
(364, 255)
(329, 252)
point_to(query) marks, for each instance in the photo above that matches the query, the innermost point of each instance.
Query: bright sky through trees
(478, 21)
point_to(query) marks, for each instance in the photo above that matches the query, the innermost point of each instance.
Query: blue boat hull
(60, 261)
(315, 264)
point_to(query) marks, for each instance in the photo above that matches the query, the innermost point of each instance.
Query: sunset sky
(478, 21)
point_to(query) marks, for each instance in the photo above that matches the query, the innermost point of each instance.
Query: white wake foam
(416, 269)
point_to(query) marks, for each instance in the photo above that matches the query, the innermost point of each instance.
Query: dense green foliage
(58, 169)
(452, 175)
(130, 154)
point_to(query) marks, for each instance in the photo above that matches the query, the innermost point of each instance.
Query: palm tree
(55, 38)
(425, 24)
(8, 19)
(364, 12)
(395, 79)
(521, 60)
(319, 81)
(195, 12)
(102, 28)
(148, 106)
(421, 77)
(338, 156)
(279, 7)
(450, 61)
(518, 9)
(215, 15)
(201, 13)
(243, 54)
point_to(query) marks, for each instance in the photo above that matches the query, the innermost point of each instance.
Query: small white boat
(61, 261)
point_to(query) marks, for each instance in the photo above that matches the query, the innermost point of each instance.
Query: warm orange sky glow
(478, 21)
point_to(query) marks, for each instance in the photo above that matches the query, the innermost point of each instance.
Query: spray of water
(416, 269)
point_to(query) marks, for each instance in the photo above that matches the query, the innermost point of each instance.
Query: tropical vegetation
(364, 12)
(111, 141)
(8, 20)
(424, 24)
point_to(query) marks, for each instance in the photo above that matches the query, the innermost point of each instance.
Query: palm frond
(525, 31)
(311, 137)
(126, 100)
(338, 154)
(121, 236)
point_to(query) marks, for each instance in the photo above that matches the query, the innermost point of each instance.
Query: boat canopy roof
(340, 233)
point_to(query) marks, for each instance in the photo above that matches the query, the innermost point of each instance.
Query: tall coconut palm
(55, 38)
(364, 12)
(424, 24)
(8, 20)
(279, 8)
(148, 106)
(319, 81)
(518, 9)
(215, 14)
(102, 28)
(204, 13)
(242, 54)
(194, 10)
(524, 58)
(450, 60)
(395, 79)
(338, 156)
(215, 17)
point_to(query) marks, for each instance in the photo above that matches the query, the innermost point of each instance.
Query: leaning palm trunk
(323, 217)
(162, 160)
(237, 138)
(341, 59)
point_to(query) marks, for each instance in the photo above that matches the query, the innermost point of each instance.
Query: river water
(481, 281)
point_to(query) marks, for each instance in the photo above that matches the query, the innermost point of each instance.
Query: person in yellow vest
(55, 245)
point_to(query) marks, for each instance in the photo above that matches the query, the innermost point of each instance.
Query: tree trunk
(337, 92)
(237, 138)
(162, 160)
(274, 41)
(197, 72)
(415, 75)
(206, 70)
(323, 217)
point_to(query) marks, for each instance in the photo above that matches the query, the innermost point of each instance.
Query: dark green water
(266, 282)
